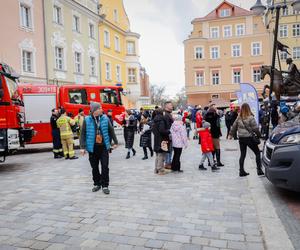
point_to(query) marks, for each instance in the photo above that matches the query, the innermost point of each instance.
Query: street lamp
(259, 9)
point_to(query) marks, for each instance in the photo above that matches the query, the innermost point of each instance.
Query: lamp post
(259, 9)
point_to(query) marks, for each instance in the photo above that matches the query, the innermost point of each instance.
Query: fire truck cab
(13, 134)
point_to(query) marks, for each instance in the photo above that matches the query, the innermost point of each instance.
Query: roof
(236, 12)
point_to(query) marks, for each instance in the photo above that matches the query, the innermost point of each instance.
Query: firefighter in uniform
(57, 147)
(64, 124)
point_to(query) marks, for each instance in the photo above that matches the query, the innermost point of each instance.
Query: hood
(286, 128)
(176, 126)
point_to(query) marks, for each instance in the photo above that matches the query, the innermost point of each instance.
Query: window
(59, 58)
(109, 96)
(93, 71)
(283, 31)
(240, 30)
(57, 14)
(78, 96)
(214, 51)
(256, 74)
(130, 48)
(27, 59)
(237, 76)
(199, 53)
(256, 49)
(107, 71)
(106, 39)
(227, 31)
(116, 17)
(296, 52)
(76, 23)
(215, 77)
(91, 30)
(296, 29)
(214, 32)
(225, 13)
(199, 78)
(132, 75)
(283, 55)
(118, 73)
(296, 12)
(215, 96)
(26, 18)
(236, 50)
(285, 11)
(117, 44)
(78, 63)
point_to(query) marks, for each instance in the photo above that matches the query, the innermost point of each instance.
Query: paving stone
(218, 243)
(154, 243)
(40, 245)
(237, 245)
(45, 237)
(59, 239)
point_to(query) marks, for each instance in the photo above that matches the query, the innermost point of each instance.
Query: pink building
(22, 43)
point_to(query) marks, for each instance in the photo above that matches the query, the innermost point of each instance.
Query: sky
(163, 26)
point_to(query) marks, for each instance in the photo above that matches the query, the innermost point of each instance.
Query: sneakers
(219, 164)
(145, 158)
(96, 188)
(201, 167)
(106, 190)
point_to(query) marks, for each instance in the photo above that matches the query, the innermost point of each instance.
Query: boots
(214, 168)
(151, 152)
(128, 155)
(145, 157)
(260, 172)
(243, 173)
(218, 155)
(201, 167)
(133, 151)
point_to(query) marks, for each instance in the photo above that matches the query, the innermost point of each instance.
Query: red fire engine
(39, 100)
(25, 109)
(13, 133)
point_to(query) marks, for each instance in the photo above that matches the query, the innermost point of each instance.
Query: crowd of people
(171, 131)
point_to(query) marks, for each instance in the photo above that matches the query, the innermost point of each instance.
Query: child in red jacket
(207, 146)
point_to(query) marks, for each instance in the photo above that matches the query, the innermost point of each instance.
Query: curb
(274, 234)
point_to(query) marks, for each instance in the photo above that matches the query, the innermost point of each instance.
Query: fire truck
(25, 109)
(13, 133)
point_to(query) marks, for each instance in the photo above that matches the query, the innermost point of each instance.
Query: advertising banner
(248, 94)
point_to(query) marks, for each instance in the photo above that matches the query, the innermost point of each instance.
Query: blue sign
(248, 94)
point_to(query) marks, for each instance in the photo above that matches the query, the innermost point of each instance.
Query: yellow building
(226, 47)
(119, 57)
(289, 33)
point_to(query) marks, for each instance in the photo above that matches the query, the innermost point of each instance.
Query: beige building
(226, 47)
(72, 41)
(289, 33)
(22, 39)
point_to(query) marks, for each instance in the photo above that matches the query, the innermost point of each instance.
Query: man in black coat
(169, 121)
(57, 147)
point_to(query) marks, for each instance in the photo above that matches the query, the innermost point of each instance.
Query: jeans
(168, 157)
(248, 142)
(209, 156)
(176, 159)
(100, 155)
(159, 162)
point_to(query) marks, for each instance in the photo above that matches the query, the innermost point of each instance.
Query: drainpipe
(45, 43)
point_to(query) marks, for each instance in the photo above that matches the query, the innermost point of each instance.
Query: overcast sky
(163, 25)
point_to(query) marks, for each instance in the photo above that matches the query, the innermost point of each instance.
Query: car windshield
(12, 88)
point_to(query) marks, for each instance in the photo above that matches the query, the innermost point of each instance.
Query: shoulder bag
(254, 136)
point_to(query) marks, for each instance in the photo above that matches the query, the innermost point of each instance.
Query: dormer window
(225, 12)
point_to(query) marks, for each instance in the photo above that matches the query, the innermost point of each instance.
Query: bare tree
(158, 95)
(180, 100)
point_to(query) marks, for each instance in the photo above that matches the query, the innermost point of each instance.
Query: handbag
(254, 136)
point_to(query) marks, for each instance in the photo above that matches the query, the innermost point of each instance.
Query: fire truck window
(110, 97)
(78, 96)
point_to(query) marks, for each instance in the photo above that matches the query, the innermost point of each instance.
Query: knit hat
(94, 106)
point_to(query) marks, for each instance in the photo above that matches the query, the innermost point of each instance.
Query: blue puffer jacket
(91, 132)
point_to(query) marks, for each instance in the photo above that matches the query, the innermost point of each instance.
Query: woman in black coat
(161, 141)
(130, 125)
(146, 138)
(214, 119)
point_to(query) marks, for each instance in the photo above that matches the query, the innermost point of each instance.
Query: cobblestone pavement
(48, 204)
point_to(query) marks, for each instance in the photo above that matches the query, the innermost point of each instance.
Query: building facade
(72, 41)
(289, 34)
(22, 41)
(226, 47)
(119, 52)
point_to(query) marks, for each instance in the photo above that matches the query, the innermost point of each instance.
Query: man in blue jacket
(96, 135)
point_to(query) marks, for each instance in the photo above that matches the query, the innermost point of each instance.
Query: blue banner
(248, 94)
